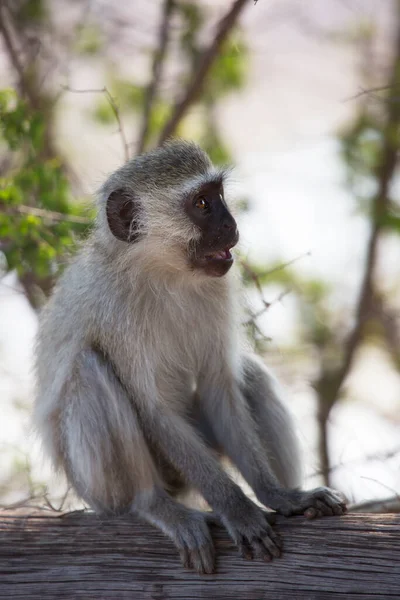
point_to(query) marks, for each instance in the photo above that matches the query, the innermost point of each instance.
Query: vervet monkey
(143, 382)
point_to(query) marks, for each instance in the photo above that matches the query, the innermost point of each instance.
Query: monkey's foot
(320, 502)
(252, 533)
(195, 545)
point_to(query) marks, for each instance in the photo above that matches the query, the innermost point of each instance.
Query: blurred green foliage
(89, 40)
(362, 144)
(37, 214)
(30, 12)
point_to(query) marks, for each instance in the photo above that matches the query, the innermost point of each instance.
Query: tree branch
(330, 382)
(13, 54)
(206, 60)
(46, 555)
(389, 320)
(158, 60)
(384, 175)
(29, 86)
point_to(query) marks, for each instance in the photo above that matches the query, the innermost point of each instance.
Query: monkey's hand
(194, 542)
(248, 525)
(315, 503)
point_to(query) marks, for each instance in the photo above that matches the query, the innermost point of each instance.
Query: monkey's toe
(200, 559)
(321, 502)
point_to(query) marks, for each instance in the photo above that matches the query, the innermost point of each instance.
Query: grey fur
(143, 382)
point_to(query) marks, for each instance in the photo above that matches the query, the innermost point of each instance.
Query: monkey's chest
(191, 340)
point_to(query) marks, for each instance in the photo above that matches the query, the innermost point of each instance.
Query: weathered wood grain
(84, 557)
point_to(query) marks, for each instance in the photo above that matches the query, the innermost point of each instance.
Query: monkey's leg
(237, 431)
(103, 449)
(278, 437)
(274, 423)
(246, 523)
(108, 461)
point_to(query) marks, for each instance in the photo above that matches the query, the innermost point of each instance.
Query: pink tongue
(224, 254)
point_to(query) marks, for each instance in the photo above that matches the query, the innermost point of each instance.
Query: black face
(207, 210)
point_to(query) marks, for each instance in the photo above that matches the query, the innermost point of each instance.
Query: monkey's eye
(202, 203)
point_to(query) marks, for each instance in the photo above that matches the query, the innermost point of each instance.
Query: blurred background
(303, 98)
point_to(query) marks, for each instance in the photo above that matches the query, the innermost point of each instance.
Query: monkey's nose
(229, 225)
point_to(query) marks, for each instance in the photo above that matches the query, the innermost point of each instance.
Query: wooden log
(83, 556)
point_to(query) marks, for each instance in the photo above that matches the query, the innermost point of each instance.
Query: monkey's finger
(207, 556)
(336, 505)
(195, 560)
(330, 506)
(273, 544)
(324, 509)
(339, 509)
(274, 537)
(331, 497)
(311, 513)
(201, 562)
(185, 556)
(245, 550)
(260, 550)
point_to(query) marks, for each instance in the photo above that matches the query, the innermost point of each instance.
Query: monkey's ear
(122, 216)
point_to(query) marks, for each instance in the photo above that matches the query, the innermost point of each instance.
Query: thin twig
(43, 213)
(381, 457)
(285, 264)
(385, 505)
(387, 487)
(253, 276)
(364, 92)
(114, 106)
(208, 57)
(158, 60)
(267, 306)
(257, 276)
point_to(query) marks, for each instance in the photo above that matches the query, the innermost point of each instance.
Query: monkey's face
(168, 206)
(202, 240)
(207, 210)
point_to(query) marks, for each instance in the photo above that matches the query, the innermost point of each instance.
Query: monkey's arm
(251, 424)
(179, 442)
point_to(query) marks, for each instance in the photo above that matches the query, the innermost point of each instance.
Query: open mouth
(219, 255)
(215, 263)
